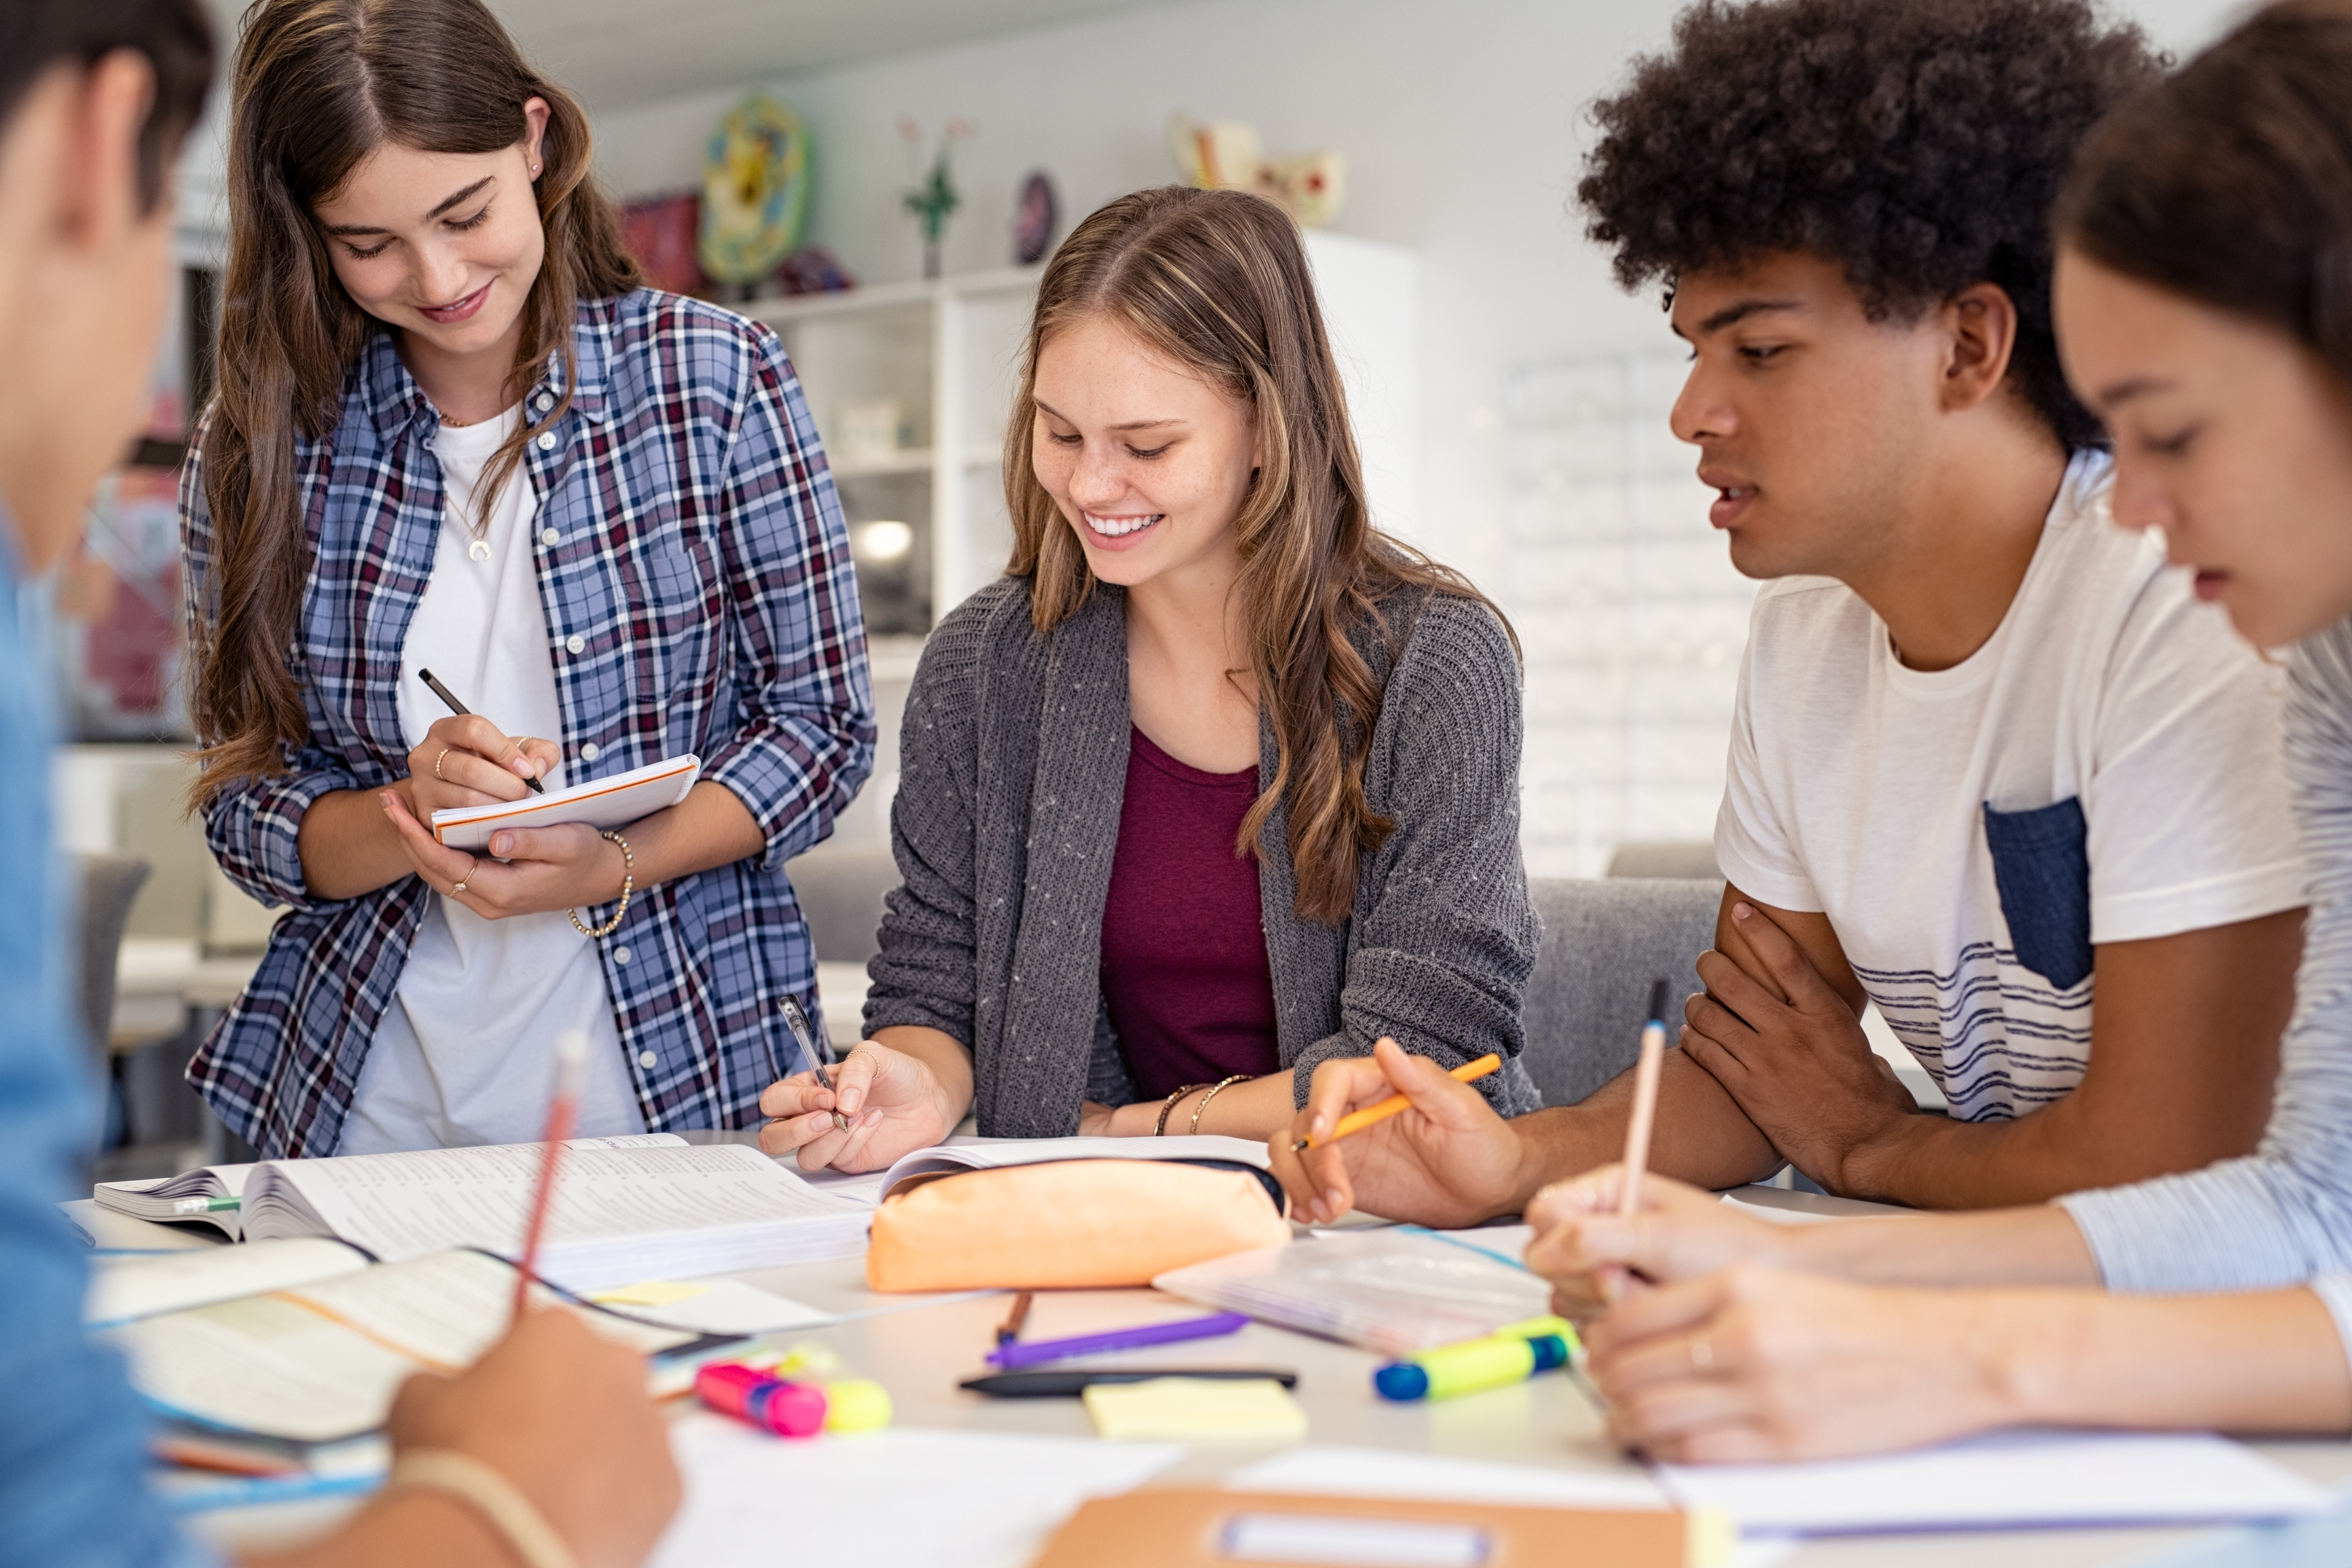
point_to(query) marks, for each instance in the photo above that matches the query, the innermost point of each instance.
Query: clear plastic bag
(1394, 1290)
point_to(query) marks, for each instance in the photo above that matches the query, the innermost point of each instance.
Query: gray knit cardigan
(1013, 767)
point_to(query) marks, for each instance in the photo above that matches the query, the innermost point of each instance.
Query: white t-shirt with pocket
(2106, 768)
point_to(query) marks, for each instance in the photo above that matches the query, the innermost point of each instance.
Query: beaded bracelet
(1160, 1127)
(628, 882)
(1195, 1128)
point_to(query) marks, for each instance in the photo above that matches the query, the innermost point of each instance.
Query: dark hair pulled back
(2230, 182)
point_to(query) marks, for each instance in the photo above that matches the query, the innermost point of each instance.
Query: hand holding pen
(469, 755)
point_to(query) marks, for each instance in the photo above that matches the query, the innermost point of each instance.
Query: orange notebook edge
(1181, 1528)
(529, 803)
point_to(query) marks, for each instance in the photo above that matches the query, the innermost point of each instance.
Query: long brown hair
(2230, 182)
(320, 84)
(1218, 281)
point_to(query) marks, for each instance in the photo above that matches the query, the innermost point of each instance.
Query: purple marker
(1029, 1353)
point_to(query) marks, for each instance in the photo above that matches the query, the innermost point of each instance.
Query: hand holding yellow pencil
(1357, 1120)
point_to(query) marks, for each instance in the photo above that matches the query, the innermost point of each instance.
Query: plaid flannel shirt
(695, 573)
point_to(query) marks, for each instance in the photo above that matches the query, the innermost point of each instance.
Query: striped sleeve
(2282, 1216)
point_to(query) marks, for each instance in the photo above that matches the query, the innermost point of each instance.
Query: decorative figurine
(1033, 218)
(1228, 155)
(755, 183)
(935, 197)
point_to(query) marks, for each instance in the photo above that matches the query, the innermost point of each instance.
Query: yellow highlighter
(1511, 1354)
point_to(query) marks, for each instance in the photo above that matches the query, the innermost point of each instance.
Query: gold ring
(1701, 1354)
(437, 765)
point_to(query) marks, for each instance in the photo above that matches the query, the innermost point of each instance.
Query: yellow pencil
(1357, 1120)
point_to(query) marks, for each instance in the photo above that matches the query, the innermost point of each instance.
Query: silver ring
(1701, 1354)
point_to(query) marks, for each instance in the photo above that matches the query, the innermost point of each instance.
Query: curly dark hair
(1920, 143)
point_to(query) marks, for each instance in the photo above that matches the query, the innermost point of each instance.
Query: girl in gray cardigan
(1217, 781)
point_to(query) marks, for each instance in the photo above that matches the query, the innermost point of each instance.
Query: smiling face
(2230, 436)
(1810, 417)
(1148, 462)
(442, 247)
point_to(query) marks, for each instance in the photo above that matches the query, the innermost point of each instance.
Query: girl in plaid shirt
(453, 432)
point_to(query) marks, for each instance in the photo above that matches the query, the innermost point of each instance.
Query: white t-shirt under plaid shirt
(2106, 768)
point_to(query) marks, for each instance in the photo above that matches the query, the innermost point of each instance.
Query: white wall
(1541, 472)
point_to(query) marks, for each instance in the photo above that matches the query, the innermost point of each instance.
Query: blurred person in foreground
(95, 99)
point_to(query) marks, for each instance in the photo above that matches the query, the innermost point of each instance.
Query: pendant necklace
(480, 549)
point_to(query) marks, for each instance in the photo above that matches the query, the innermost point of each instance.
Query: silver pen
(797, 1021)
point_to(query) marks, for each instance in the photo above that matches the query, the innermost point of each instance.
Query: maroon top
(1183, 948)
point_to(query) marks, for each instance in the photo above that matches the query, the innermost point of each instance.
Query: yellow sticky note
(650, 1293)
(1196, 1410)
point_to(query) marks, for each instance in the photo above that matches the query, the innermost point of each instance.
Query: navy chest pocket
(2042, 864)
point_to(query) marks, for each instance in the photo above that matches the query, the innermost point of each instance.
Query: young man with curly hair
(1991, 760)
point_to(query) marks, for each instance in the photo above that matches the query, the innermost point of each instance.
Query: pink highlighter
(748, 1394)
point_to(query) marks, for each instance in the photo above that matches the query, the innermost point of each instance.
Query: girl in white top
(428, 1082)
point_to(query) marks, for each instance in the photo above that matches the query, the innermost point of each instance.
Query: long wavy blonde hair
(1218, 281)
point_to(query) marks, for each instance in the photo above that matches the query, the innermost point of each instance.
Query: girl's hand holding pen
(466, 760)
(892, 1100)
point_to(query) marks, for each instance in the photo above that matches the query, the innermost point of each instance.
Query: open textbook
(648, 1207)
(319, 1363)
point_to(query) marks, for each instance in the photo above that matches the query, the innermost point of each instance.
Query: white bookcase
(945, 353)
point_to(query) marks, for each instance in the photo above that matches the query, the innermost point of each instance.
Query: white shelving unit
(945, 352)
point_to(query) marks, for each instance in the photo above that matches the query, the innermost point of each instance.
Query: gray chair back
(840, 890)
(108, 883)
(1604, 943)
(1675, 857)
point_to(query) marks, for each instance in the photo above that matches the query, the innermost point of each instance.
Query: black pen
(462, 711)
(1069, 1382)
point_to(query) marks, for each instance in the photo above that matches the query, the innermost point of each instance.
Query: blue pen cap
(1550, 1350)
(1402, 1380)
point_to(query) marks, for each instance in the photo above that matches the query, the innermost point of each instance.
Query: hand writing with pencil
(1787, 1046)
(1447, 1160)
(1587, 1247)
(1755, 1363)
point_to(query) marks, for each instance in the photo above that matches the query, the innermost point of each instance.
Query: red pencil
(562, 1113)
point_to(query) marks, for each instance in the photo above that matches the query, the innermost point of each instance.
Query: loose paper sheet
(712, 1306)
(2009, 1480)
(903, 1499)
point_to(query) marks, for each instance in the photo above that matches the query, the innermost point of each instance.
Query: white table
(921, 1347)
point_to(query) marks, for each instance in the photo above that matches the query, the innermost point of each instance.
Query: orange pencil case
(1068, 1224)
